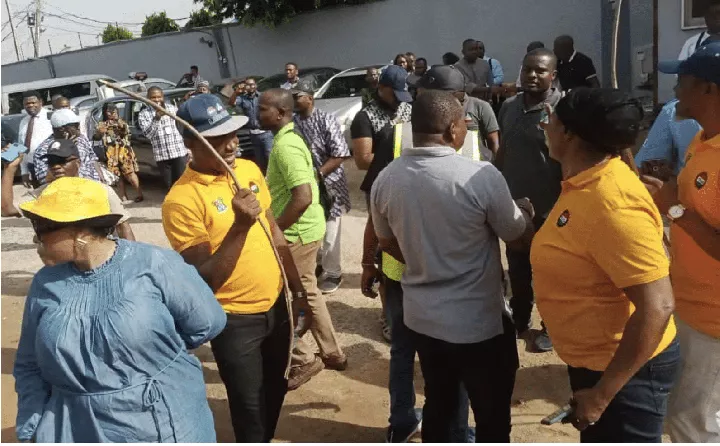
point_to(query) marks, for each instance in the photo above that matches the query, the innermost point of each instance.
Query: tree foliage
(158, 23)
(202, 17)
(270, 13)
(113, 33)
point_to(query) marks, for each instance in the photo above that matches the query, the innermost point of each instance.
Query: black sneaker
(330, 284)
(403, 436)
(542, 341)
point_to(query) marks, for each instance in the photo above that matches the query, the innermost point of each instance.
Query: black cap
(62, 148)
(304, 87)
(443, 77)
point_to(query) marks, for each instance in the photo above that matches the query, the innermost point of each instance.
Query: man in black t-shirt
(574, 69)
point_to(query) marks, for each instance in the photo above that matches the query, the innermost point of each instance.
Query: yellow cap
(72, 199)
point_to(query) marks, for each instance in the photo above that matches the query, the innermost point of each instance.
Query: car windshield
(345, 87)
(15, 100)
(272, 82)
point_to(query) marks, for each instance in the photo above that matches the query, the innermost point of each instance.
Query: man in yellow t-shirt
(692, 203)
(215, 228)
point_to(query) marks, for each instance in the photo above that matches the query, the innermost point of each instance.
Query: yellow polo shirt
(198, 209)
(604, 234)
(695, 274)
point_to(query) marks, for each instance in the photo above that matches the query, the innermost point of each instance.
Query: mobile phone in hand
(558, 416)
(13, 152)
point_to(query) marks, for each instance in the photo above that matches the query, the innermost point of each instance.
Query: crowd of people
(457, 160)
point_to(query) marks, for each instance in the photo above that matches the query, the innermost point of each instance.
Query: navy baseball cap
(443, 77)
(396, 77)
(703, 64)
(62, 148)
(208, 115)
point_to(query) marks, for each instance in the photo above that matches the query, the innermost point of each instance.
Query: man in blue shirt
(261, 140)
(667, 141)
(495, 68)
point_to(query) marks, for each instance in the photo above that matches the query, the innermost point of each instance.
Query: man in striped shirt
(169, 149)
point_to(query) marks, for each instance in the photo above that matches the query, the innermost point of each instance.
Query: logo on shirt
(564, 218)
(220, 205)
(254, 188)
(701, 180)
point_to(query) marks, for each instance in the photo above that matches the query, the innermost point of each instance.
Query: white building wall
(671, 38)
(345, 37)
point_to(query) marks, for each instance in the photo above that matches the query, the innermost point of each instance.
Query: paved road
(349, 406)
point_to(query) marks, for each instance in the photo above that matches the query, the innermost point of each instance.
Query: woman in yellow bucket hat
(103, 353)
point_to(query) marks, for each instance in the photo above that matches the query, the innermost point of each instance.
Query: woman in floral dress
(121, 161)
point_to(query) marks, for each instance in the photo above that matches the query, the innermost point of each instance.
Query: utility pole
(12, 30)
(38, 20)
(80, 39)
(50, 46)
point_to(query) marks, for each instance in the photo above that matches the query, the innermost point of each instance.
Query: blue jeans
(402, 367)
(637, 412)
(262, 144)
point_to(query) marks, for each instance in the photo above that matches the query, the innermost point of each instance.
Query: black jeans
(523, 297)
(637, 412)
(251, 355)
(487, 369)
(172, 169)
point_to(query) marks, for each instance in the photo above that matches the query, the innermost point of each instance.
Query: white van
(70, 87)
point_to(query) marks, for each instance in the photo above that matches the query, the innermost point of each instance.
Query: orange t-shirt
(604, 234)
(695, 274)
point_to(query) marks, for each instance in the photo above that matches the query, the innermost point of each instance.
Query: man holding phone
(169, 149)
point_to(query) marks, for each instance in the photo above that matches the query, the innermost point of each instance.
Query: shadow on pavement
(8, 360)
(547, 382)
(8, 435)
(361, 321)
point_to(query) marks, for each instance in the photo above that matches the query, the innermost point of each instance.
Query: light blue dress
(103, 355)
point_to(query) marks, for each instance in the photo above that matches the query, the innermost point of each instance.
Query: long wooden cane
(211, 150)
(626, 154)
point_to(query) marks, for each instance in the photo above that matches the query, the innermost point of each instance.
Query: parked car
(342, 96)
(129, 109)
(70, 87)
(320, 75)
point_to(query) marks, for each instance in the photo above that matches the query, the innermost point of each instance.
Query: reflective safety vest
(391, 267)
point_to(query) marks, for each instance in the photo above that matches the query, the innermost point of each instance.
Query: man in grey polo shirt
(441, 214)
(530, 172)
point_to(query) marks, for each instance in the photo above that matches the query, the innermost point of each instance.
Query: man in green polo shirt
(295, 203)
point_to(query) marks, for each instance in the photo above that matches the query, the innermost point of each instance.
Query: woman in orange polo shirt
(601, 274)
(692, 202)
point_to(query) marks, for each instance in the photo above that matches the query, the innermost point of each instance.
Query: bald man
(296, 205)
(441, 214)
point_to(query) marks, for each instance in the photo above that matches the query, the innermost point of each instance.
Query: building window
(693, 13)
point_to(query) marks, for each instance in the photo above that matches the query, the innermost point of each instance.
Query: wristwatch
(675, 212)
(299, 295)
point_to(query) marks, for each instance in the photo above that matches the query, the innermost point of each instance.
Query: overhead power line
(104, 22)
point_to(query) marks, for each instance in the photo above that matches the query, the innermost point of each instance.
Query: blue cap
(208, 115)
(703, 64)
(396, 77)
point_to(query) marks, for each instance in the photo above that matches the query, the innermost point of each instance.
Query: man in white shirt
(712, 21)
(34, 129)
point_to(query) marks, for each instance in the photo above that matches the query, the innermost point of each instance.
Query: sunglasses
(59, 161)
(44, 227)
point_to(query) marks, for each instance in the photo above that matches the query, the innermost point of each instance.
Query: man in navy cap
(215, 228)
(691, 203)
